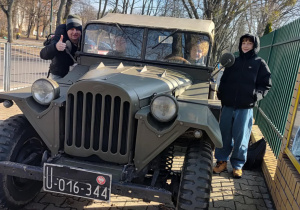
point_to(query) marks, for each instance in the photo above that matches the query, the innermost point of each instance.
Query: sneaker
(220, 167)
(237, 173)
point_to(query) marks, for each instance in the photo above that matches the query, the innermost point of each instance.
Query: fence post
(7, 61)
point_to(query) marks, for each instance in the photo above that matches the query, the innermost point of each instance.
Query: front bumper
(147, 193)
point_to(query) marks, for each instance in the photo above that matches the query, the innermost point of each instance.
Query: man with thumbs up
(56, 50)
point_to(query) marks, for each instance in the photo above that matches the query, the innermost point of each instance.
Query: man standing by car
(242, 85)
(56, 50)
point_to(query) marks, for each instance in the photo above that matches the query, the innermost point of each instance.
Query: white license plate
(77, 182)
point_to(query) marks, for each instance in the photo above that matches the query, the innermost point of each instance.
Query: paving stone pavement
(249, 193)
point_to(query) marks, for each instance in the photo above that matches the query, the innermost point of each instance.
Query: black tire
(196, 176)
(20, 143)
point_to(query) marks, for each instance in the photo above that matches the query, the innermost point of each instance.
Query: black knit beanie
(74, 21)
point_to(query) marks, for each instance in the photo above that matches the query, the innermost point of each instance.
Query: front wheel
(196, 176)
(19, 143)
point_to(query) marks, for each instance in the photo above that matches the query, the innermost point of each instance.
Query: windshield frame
(144, 45)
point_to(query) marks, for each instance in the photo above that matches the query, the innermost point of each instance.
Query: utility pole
(51, 11)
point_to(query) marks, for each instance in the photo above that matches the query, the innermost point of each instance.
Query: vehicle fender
(201, 117)
(153, 138)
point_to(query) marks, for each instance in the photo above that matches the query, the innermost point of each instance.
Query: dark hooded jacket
(61, 61)
(247, 81)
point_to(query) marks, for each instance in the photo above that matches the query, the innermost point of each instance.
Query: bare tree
(59, 12)
(20, 15)
(270, 11)
(85, 10)
(30, 9)
(104, 8)
(144, 6)
(187, 9)
(44, 16)
(158, 5)
(38, 17)
(132, 6)
(194, 11)
(67, 10)
(116, 7)
(99, 9)
(7, 7)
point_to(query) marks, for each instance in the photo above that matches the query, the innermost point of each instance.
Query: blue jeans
(235, 126)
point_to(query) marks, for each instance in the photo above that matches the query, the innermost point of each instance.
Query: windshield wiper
(127, 36)
(165, 39)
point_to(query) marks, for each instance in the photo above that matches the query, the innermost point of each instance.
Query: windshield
(169, 46)
(177, 47)
(113, 40)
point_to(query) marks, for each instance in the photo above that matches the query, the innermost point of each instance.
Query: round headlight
(164, 108)
(44, 91)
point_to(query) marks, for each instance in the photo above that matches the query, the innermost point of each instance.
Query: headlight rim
(55, 90)
(176, 107)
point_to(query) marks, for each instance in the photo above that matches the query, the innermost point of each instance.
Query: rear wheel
(195, 183)
(19, 143)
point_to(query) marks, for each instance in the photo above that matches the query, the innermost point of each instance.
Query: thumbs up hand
(60, 46)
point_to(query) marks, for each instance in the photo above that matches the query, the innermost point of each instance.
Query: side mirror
(227, 60)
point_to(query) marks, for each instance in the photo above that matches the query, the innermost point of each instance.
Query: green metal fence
(281, 50)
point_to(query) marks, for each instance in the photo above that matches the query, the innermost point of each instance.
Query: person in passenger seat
(196, 55)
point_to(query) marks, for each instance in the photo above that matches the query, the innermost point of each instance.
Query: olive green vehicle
(114, 122)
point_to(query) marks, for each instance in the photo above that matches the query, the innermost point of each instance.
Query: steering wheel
(178, 58)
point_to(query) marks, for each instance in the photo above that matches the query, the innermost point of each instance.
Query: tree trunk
(143, 6)
(67, 10)
(8, 13)
(37, 28)
(208, 10)
(149, 7)
(187, 9)
(126, 7)
(105, 4)
(157, 6)
(123, 7)
(166, 8)
(116, 7)
(132, 5)
(29, 29)
(99, 11)
(194, 10)
(59, 12)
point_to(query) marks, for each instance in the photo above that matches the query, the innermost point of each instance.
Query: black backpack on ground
(256, 153)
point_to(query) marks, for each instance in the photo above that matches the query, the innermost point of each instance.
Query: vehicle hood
(144, 80)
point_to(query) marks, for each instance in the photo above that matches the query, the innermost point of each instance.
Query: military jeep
(113, 124)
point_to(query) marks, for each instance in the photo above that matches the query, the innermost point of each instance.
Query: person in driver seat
(120, 46)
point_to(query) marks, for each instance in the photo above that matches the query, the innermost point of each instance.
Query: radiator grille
(97, 124)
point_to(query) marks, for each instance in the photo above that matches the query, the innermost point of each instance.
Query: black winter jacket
(246, 81)
(61, 61)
